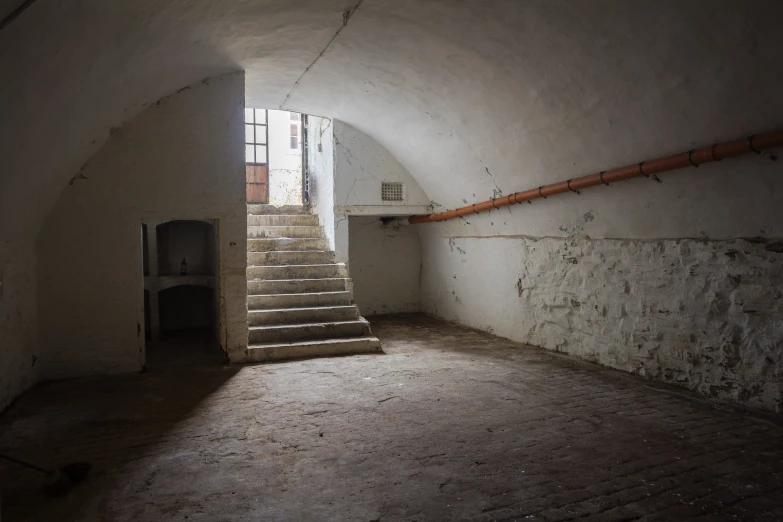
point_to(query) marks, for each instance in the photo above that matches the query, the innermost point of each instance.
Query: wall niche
(180, 265)
(190, 241)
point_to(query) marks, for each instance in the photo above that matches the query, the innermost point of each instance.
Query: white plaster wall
(182, 158)
(385, 263)
(472, 266)
(19, 348)
(362, 164)
(321, 167)
(706, 315)
(547, 90)
(540, 91)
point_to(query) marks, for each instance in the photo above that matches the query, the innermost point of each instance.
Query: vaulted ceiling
(472, 96)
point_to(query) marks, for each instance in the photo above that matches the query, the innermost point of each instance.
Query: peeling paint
(706, 315)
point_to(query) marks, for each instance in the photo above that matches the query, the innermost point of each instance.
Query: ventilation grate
(391, 191)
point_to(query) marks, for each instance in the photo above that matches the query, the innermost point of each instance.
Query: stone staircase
(299, 301)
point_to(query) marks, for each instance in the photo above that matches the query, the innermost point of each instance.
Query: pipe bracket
(568, 183)
(750, 144)
(601, 177)
(641, 164)
(539, 192)
(690, 159)
(712, 153)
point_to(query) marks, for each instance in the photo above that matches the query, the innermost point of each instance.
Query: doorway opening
(181, 292)
(275, 156)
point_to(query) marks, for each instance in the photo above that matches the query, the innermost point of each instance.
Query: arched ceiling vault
(473, 97)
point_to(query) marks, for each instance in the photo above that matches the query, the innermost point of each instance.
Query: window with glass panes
(295, 130)
(256, 136)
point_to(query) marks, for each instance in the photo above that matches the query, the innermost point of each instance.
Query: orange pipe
(693, 158)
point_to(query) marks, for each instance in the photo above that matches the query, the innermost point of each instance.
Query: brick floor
(449, 424)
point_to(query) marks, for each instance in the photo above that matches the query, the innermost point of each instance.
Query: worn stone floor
(449, 424)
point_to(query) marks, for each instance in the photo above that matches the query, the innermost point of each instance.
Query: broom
(58, 481)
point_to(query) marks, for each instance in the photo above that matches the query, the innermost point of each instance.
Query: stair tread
(336, 340)
(307, 308)
(282, 215)
(267, 209)
(307, 279)
(284, 266)
(304, 325)
(283, 240)
(307, 323)
(302, 293)
(295, 252)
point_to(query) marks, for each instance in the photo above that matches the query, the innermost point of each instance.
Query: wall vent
(391, 191)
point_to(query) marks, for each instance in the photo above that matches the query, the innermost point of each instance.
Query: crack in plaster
(347, 14)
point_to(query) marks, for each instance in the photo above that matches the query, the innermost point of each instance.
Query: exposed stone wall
(706, 315)
(18, 320)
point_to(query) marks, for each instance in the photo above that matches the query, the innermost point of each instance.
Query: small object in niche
(183, 268)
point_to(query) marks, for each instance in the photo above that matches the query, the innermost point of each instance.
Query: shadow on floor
(451, 424)
(184, 349)
(109, 422)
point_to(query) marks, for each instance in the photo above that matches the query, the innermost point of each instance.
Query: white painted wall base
(706, 315)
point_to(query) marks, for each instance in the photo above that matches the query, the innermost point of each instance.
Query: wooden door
(257, 177)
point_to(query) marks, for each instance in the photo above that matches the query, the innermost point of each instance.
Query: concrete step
(286, 243)
(302, 300)
(298, 350)
(304, 332)
(287, 231)
(267, 273)
(254, 209)
(321, 314)
(298, 286)
(299, 220)
(290, 257)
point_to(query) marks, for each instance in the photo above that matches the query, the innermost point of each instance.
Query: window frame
(255, 143)
(294, 140)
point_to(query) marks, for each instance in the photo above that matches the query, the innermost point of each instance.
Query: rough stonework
(706, 315)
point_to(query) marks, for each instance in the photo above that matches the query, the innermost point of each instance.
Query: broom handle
(23, 463)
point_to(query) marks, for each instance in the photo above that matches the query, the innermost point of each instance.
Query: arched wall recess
(196, 175)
